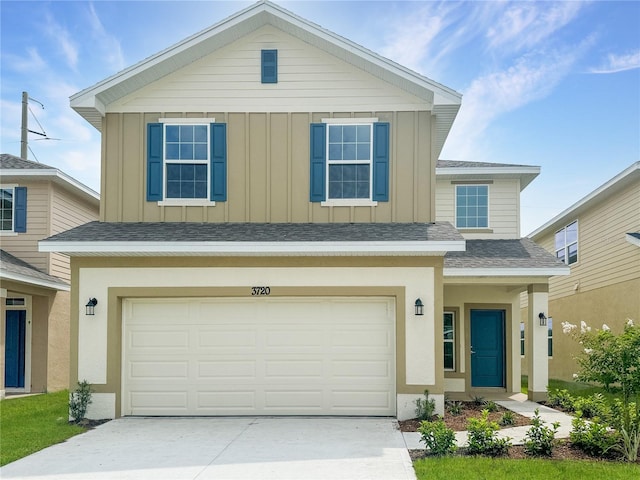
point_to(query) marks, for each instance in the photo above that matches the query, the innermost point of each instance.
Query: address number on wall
(260, 291)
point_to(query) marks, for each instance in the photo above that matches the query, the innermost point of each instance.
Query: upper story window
(472, 206)
(269, 66)
(13, 209)
(186, 162)
(349, 162)
(566, 243)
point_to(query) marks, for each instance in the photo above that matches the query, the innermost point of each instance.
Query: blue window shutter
(317, 145)
(218, 162)
(20, 209)
(381, 162)
(269, 66)
(154, 162)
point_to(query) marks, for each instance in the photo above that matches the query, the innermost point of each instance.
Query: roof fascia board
(633, 240)
(458, 171)
(506, 272)
(253, 247)
(53, 174)
(40, 282)
(606, 188)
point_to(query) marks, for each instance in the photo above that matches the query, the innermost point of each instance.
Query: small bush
(425, 407)
(79, 401)
(562, 399)
(491, 406)
(438, 438)
(483, 437)
(540, 439)
(592, 437)
(508, 418)
(478, 400)
(592, 406)
(454, 408)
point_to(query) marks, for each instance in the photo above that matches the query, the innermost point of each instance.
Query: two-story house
(37, 201)
(598, 237)
(268, 240)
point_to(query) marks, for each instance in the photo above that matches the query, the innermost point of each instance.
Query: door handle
(471, 351)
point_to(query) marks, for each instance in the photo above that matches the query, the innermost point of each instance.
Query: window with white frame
(349, 169)
(6, 209)
(566, 243)
(449, 341)
(186, 161)
(472, 206)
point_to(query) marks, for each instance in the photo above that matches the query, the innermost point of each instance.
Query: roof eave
(525, 174)
(39, 282)
(54, 175)
(506, 272)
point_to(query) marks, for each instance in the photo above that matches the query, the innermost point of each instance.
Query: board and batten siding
(267, 170)
(67, 211)
(605, 257)
(229, 80)
(504, 208)
(25, 245)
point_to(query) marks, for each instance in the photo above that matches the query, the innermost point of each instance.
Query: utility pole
(24, 129)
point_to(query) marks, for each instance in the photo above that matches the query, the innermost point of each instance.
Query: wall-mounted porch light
(91, 306)
(543, 319)
(419, 307)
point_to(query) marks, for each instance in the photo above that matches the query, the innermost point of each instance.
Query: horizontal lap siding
(604, 255)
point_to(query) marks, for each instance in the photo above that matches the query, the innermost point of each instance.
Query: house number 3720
(260, 291)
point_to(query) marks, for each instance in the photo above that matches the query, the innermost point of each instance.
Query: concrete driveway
(245, 448)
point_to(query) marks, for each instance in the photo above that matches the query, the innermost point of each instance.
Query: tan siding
(604, 256)
(268, 171)
(229, 79)
(504, 203)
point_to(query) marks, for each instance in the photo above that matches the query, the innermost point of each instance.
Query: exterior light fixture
(543, 319)
(419, 307)
(91, 306)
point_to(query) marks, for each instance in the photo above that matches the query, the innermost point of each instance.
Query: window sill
(475, 230)
(349, 203)
(8, 234)
(186, 203)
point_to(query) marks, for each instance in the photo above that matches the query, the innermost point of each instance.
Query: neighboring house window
(472, 206)
(449, 341)
(567, 243)
(186, 162)
(550, 336)
(269, 66)
(13, 209)
(522, 338)
(349, 162)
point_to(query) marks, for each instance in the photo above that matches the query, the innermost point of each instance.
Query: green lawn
(480, 468)
(30, 424)
(575, 389)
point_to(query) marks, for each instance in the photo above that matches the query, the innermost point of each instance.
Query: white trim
(349, 202)
(506, 272)
(460, 171)
(183, 202)
(255, 248)
(187, 121)
(12, 232)
(633, 240)
(349, 121)
(16, 277)
(50, 172)
(8, 233)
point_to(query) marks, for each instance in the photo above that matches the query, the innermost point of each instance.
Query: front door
(14, 353)
(487, 348)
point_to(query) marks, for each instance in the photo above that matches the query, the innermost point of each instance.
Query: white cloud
(107, 44)
(30, 63)
(619, 63)
(63, 39)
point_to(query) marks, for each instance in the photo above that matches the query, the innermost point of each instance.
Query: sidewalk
(519, 405)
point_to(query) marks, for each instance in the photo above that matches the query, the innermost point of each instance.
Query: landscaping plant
(540, 439)
(483, 437)
(79, 401)
(425, 407)
(438, 438)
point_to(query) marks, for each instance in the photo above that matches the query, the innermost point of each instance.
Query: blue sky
(554, 84)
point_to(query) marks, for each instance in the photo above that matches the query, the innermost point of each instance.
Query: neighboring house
(37, 201)
(269, 240)
(598, 237)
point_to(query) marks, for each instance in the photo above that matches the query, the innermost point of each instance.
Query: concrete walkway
(519, 405)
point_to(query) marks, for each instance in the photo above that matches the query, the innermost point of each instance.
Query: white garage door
(264, 356)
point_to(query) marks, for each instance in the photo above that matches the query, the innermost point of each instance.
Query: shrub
(507, 418)
(477, 400)
(491, 406)
(79, 401)
(592, 406)
(562, 399)
(540, 439)
(483, 437)
(425, 407)
(438, 438)
(592, 437)
(454, 408)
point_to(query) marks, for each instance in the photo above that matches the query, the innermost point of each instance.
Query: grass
(30, 424)
(481, 468)
(576, 389)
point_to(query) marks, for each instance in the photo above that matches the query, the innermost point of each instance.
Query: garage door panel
(256, 356)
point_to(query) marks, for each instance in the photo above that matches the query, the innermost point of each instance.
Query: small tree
(79, 401)
(613, 361)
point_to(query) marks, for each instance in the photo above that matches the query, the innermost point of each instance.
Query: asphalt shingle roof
(463, 164)
(518, 253)
(258, 232)
(13, 265)
(11, 162)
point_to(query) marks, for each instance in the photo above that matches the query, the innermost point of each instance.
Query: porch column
(536, 347)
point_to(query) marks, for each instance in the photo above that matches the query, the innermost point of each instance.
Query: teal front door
(487, 348)
(14, 349)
